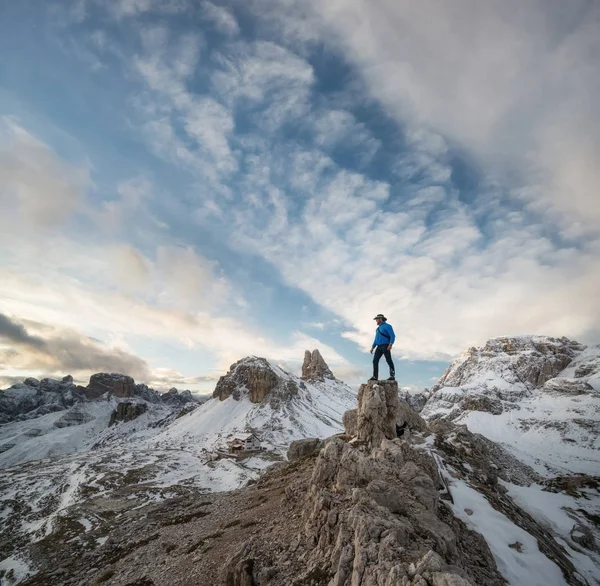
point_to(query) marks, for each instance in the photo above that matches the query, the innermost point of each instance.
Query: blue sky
(186, 183)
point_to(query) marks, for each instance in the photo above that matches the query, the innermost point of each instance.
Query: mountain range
(527, 409)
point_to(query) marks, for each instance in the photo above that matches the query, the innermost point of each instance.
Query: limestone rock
(119, 385)
(257, 379)
(303, 447)
(564, 386)
(532, 360)
(126, 411)
(315, 367)
(407, 417)
(377, 411)
(176, 398)
(482, 403)
(350, 420)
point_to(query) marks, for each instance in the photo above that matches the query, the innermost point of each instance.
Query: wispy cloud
(37, 189)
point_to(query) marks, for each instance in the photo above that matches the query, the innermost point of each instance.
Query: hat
(380, 316)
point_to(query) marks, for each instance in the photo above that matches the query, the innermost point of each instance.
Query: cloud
(131, 8)
(37, 188)
(480, 221)
(512, 85)
(222, 18)
(17, 334)
(63, 350)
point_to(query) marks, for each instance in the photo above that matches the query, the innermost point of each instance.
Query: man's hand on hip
(390, 347)
(371, 350)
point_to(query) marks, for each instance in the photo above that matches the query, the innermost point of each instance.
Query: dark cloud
(64, 351)
(9, 381)
(16, 333)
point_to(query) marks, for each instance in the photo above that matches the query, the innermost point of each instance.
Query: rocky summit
(314, 367)
(256, 379)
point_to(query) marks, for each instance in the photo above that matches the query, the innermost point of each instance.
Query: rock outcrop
(372, 515)
(314, 367)
(257, 379)
(126, 411)
(528, 360)
(176, 398)
(119, 385)
(303, 447)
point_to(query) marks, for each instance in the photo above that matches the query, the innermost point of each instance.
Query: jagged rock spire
(315, 367)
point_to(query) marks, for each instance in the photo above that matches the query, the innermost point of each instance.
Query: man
(384, 340)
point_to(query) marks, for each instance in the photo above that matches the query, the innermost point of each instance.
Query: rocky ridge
(379, 505)
(34, 398)
(528, 392)
(368, 512)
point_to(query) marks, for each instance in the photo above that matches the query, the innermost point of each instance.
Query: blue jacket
(388, 338)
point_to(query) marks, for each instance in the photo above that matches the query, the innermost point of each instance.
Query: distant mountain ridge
(33, 398)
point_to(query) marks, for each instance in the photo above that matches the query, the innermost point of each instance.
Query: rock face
(33, 398)
(314, 367)
(390, 410)
(126, 411)
(119, 385)
(174, 397)
(505, 371)
(525, 360)
(255, 378)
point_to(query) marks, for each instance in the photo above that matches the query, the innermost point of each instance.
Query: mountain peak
(315, 367)
(525, 361)
(257, 378)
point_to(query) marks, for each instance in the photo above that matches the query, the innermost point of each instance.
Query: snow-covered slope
(291, 409)
(50, 417)
(538, 396)
(69, 472)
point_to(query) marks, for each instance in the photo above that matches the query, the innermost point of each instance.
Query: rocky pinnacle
(315, 367)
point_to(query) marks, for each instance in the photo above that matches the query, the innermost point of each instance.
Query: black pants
(379, 352)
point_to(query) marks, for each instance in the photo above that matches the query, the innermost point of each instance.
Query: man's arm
(374, 340)
(390, 331)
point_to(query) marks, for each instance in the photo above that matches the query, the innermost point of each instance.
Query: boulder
(407, 417)
(350, 419)
(583, 535)
(314, 367)
(303, 447)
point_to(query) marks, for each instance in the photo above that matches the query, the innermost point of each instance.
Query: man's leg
(388, 359)
(376, 358)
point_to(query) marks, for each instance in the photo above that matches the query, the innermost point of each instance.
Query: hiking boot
(373, 378)
(392, 378)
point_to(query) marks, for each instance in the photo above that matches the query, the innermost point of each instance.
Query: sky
(185, 183)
